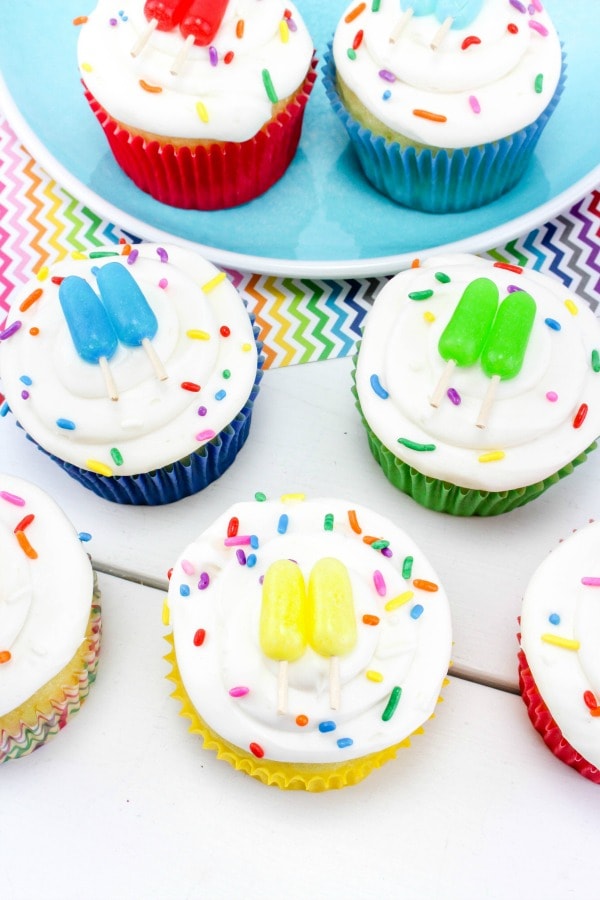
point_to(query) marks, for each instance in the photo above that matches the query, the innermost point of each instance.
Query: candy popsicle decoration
(134, 322)
(91, 330)
(462, 340)
(283, 623)
(203, 19)
(450, 13)
(504, 352)
(331, 617)
(163, 15)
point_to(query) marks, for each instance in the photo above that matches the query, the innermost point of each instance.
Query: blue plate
(321, 219)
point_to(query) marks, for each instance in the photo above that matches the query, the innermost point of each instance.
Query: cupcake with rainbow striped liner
(49, 624)
(201, 101)
(444, 101)
(310, 639)
(478, 383)
(135, 369)
(559, 676)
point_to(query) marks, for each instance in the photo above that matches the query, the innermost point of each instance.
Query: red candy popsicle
(162, 15)
(202, 20)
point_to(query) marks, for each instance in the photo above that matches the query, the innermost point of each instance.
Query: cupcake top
(490, 74)
(224, 88)
(294, 583)
(560, 622)
(513, 357)
(46, 586)
(178, 349)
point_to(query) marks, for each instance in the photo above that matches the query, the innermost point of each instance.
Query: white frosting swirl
(531, 419)
(558, 605)
(204, 338)
(409, 647)
(484, 91)
(234, 102)
(44, 601)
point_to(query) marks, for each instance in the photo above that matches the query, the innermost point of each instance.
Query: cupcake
(310, 640)
(444, 101)
(201, 102)
(49, 619)
(559, 675)
(478, 383)
(135, 369)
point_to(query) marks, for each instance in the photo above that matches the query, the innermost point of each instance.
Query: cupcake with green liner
(310, 639)
(478, 383)
(444, 102)
(49, 619)
(135, 369)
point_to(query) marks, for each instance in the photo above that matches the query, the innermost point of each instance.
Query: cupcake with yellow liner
(309, 640)
(444, 101)
(201, 102)
(49, 623)
(478, 383)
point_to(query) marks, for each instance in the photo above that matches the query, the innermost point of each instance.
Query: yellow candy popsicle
(283, 619)
(331, 617)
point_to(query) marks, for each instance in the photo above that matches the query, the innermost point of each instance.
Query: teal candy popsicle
(464, 337)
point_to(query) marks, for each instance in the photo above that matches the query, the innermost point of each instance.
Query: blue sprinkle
(184, 590)
(251, 560)
(416, 611)
(326, 726)
(386, 95)
(95, 270)
(377, 387)
(67, 424)
(4, 409)
(553, 324)
(84, 536)
(254, 541)
(26, 380)
(344, 742)
(220, 395)
(283, 523)
(554, 619)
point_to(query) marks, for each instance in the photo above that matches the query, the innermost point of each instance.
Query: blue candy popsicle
(462, 12)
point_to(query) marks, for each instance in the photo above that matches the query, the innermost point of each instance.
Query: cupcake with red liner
(559, 671)
(201, 101)
(49, 619)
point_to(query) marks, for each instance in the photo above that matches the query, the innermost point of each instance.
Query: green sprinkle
(97, 254)
(116, 455)
(412, 445)
(420, 295)
(269, 86)
(442, 277)
(380, 545)
(226, 373)
(595, 361)
(375, 5)
(407, 566)
(328, 523)
(392, 704)
(351, 53)
(539, 83)
(260, 496)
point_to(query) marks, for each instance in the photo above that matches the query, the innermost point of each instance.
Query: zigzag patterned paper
(300, 319)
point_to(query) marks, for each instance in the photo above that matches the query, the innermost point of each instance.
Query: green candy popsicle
(464, 337)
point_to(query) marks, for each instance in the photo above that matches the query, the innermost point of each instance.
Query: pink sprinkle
(163, 283)
(474, 103)
(12, 498)
(187, 567)
(552, 396)
(537, 26)
(239, 691)
(379, 583)
(238, 540)
(590, 581)
(205, 435)
(537, 5)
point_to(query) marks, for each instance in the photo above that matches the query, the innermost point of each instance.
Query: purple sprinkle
(25, 395)
(292, 25)
(475, 105)
(241, 557)
(162, 254)
(537, 26)
(513, 288)
(132, 257)
(387, 552)
(531, 9)
(520, 7)
(112, 22)
(387, 75)
(213, 56)
(454, 397)
(204, 581)
(8, 332)
(202, 410)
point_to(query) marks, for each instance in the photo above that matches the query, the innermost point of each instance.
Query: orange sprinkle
(151, 88)
(595, 712)
(369, 539)
(354, 13)
(5, 656)
(423, 585)
(80, 20)
(126, 250)
(426, 114)
(30, 300)
(370, 620)
(25, 545)
(415, 264)
(239, 29)
(354, 522)
(301, 721)
(34, 331)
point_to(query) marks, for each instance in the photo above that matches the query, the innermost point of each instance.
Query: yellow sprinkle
(492, 456)
(165, 612)
(213, 282)
(558, 641)
(400, 600)
(43, 273)
(77, 254)
(292, 498)
(372, 675)
(202, 111)
(94, 465)
(429, 317)
(197, 335)
(284, 31)
(572, 307)
(247, 347)
(86, 67)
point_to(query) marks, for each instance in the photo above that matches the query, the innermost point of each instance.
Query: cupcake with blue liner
(444, 102)
(135, 369)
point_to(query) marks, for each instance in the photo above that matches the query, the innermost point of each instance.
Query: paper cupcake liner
(47, 712)
(438, 180)
(443, 496)
(311, 777)
(209, 176)
(544, 724)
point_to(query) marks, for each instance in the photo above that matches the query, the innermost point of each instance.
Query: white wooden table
(126, 804)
